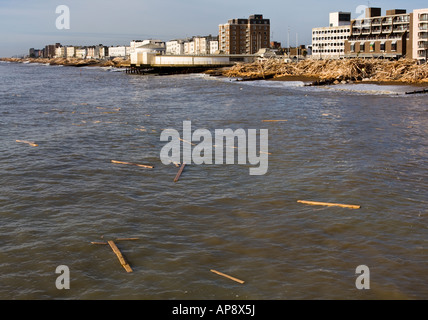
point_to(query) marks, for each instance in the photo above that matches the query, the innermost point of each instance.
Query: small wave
(374, 89)
(267, 83)
(364, 88)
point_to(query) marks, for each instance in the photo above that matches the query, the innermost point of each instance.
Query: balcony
(423, 26)
(423, 44)
(423, 17)
(422, 53)
(387, 20)
(401, 28)
(356, 31)
(402, 19)
(423, 35)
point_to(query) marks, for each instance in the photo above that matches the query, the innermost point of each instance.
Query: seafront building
(119, 51)
(137, 43)
(176, 47)
(194, 45)
(397, 34)
(244, 36)
(329, 42)
(420, 34)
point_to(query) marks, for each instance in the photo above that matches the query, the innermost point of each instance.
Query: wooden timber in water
(316, 203)
(418, 91)
(119, 255)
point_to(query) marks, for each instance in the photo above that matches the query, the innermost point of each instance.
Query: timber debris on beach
(72, 62)
(334, 71)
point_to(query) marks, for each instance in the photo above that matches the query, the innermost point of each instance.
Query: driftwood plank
(120, 256)
(315, 203)
(179, 172)
(132, 164)
(28, 142)
(227, 276)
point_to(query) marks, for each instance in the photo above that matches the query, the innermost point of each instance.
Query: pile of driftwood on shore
(73, 62)
(403, 70)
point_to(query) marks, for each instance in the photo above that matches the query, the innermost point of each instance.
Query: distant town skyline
(28, 24)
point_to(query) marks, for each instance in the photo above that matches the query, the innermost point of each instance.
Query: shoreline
(329, 72)
(72, 62)
(312, 80)
(230, 72)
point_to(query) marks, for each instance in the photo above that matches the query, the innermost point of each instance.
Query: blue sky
(31, 23)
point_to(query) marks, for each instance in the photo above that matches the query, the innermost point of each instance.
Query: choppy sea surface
(355, 144)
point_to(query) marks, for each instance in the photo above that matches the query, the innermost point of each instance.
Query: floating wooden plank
(315, 203)
(127, 239)
(187, 142)
(233, 147)
(28, 142)
(177, 164)
(132, 164)
(120, 256)
(418, 91)
(227, 276)
(118, 239)
(179, 172)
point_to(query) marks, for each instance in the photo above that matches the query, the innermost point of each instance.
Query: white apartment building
(118, 51)
(175, 47)
(329, 42)
(203, 44)
(70, 52)
(420, 34)
(189, 48)
(81, 53)
(214, 47)
(60, 52)
(195, 45)
(138, 43)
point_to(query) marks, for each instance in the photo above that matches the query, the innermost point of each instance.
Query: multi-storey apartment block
(397, 34)
(420, 34)
(244, 36)
(329, 42)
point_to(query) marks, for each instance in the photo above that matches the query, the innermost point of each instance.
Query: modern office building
(244, 36)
